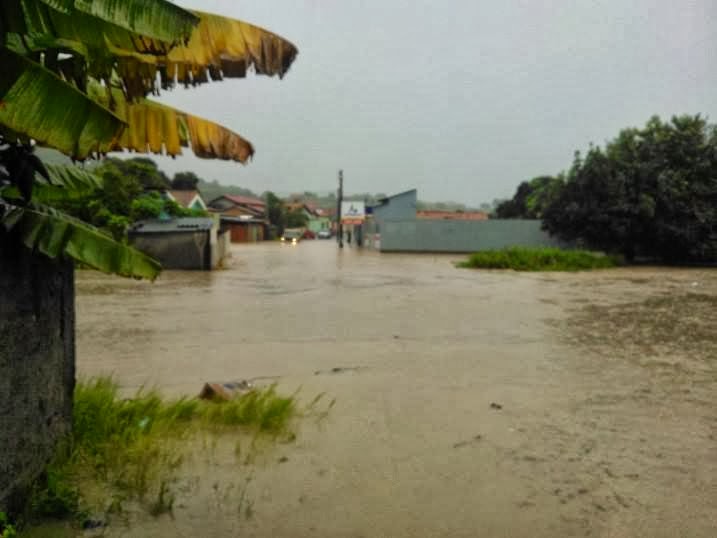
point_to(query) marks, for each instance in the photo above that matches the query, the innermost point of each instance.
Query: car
(292, 235)
(324, 234)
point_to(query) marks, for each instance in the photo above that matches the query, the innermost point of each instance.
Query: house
(243, 217)
(317, 218)
(191, 199)
(233, 206)
(399, 207)
(244, 228)
(182, 243)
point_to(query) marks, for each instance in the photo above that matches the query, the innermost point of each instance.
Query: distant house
(234, 206)
(317, 218)
(243, 217)
(183, 243)
(187, 199)
(400, 206)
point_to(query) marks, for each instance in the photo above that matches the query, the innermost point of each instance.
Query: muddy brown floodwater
(468, 404)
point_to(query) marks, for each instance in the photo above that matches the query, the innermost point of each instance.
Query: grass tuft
(130, 449)
(539, 259)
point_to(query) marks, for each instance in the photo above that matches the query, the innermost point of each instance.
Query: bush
(539, 259)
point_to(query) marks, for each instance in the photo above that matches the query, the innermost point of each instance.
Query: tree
(275, 211)
(185, 181)
(530, 199)
(651, 192)
(296, 219)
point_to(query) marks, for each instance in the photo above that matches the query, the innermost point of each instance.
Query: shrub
(539, 259)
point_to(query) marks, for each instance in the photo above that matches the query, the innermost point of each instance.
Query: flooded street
(467, 403)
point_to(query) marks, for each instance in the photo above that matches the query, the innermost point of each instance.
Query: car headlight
(293, 240)
(283, 239)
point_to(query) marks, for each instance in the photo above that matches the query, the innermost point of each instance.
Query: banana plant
(55, 54)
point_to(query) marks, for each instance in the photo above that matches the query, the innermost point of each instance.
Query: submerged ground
(467, 403)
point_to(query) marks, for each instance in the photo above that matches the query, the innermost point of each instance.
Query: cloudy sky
(462, 99)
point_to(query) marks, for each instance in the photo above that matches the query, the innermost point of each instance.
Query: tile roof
(245, 200)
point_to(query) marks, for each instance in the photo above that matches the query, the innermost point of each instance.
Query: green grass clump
(130, 448)
(539, 259)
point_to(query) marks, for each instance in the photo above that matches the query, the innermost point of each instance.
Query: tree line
(651, 193)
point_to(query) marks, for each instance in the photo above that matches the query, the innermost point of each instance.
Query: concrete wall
(461, 236)
(176, 250)
(37, 364)
(220, 248)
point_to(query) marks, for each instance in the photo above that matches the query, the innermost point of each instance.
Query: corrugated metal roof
(186, 224)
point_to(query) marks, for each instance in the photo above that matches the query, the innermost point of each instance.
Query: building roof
(184, 198)
(452, 215)
(187, 224)
(245, 200)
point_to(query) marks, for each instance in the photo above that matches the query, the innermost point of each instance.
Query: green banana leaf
(72, 178)
(66, 183)
(157, 19)
(35, 103)
(53, 233)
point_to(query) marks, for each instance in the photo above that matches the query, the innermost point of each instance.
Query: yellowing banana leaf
(36, 103)
(156, 19)
(56, 234)
(220, 46)
(159, 129)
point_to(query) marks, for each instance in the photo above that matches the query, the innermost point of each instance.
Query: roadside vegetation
(131, 450)
(539, 259)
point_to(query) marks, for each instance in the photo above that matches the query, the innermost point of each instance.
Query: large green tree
(651, 192)
(185, 181)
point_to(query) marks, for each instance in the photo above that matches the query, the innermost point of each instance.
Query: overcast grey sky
(462, 99)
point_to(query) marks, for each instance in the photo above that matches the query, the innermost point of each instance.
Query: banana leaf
(157, 19)
(66, 183)
(218, 46)
(223, 47)
(54, 234)
(160, 129)
(35, 103)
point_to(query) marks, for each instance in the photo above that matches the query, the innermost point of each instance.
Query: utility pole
(339, 225)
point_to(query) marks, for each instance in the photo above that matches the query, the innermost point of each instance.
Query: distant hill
(213, 189)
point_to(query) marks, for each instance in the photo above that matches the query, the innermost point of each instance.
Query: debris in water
(494, 405)
(225, 391)
(340, 370)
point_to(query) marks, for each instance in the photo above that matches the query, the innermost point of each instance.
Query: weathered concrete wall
(37, 364)
(220, 248)
(180, 250)
(461, 236)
